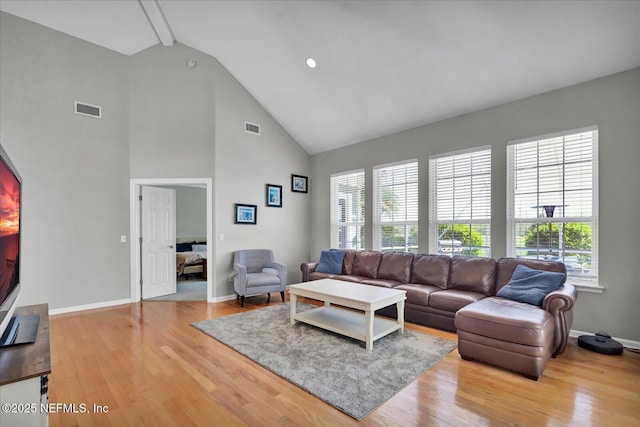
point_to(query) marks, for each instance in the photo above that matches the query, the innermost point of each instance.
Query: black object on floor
(600, 343)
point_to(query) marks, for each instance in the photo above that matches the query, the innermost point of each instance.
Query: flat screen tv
(10, 216)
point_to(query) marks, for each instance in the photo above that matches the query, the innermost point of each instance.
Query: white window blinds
(460, 203)
(552, 200)
(396, 207)
(347, 210)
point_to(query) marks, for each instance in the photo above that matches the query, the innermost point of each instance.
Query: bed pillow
(330, 262)
(531, 286)
(199, 248)
(184, 247)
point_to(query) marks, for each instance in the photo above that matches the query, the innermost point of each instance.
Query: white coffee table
(367, 327)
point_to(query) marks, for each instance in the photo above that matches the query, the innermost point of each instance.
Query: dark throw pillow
(531, 286)
(330, 262)
(184, 247)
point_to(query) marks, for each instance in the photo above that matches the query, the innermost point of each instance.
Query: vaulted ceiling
(383, 66)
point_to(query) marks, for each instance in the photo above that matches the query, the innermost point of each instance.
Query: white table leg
(400, 308)
(293, 298)
(369, 335)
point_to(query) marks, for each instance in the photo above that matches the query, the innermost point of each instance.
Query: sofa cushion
(261, 279)
(366, 264)
(395, 266)
(317, 276)
(383, 283)
(347, 262)
(430, 270)
(472, 274)
(453, 300)
(350, 278)
(418, 294)
(330, 262)
(507, 320)
(531, 286)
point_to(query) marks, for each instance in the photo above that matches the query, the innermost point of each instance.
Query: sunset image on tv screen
(9, 202)
(9, 229)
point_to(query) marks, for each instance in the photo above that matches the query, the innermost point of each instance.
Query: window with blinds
(460, 203)
(552, 200)
(347, 210)
(395, 215)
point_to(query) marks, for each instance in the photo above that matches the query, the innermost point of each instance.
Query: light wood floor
(149, 367)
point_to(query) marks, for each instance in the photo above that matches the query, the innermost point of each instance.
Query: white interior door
(158, 241)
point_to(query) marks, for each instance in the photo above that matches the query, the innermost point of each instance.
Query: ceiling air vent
(252, 128)
(85, 109)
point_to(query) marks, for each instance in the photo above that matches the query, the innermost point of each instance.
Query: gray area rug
(186, 291)
(337, 369)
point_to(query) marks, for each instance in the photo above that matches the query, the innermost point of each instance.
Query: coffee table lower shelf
(350, 323)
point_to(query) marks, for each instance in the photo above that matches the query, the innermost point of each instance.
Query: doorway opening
(136, 230)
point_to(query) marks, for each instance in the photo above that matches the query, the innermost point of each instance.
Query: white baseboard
(89, 306)
(624, 342)
(224, 298)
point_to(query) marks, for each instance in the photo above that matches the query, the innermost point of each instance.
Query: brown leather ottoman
(508, 334)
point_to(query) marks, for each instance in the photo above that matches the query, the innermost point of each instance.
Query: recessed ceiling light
(311, 63)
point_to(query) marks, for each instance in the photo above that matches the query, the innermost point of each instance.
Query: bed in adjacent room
(190, 256)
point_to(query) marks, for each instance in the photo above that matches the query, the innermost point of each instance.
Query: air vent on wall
(252, 128)
(89, 110)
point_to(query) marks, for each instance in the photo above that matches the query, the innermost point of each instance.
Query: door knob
(170, 246)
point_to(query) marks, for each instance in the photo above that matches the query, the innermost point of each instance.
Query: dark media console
(24, 371)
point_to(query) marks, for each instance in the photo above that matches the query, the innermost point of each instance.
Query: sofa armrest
(559, 304)
(307, 268)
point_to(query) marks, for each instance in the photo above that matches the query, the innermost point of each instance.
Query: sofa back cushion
(430, 270)
(506, 266)
(347, 261)
(366, 264)
(473, 274)
(395, 266)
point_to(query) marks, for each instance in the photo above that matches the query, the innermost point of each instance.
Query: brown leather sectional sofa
(457, 294)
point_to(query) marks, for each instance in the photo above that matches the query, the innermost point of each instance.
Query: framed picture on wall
(246, 214)
(274, 196)
(299, 183)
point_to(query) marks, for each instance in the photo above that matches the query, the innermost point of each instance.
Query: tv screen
(10, 188)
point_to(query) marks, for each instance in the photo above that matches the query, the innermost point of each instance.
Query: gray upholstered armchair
(258, 273)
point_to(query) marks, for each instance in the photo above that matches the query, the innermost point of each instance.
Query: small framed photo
(246, 214)
(299, 183)
(274, 196)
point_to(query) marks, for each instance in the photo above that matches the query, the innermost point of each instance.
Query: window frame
(590, 282)
(378, 222)
(434, 221)
(335, 224)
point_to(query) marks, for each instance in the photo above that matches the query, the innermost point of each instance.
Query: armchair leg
(268, 297)
(282, 295)
(242, 301)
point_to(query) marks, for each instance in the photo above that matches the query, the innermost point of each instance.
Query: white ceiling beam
(158, 21)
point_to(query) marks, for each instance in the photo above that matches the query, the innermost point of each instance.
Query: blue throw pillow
(531, 286)
(330, 262)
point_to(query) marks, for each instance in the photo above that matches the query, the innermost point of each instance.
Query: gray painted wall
(161, 120)
(75, 169)
(245, 163)
(189, 122)
(612, 103)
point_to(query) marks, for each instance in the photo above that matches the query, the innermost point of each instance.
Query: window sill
(591, 288)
